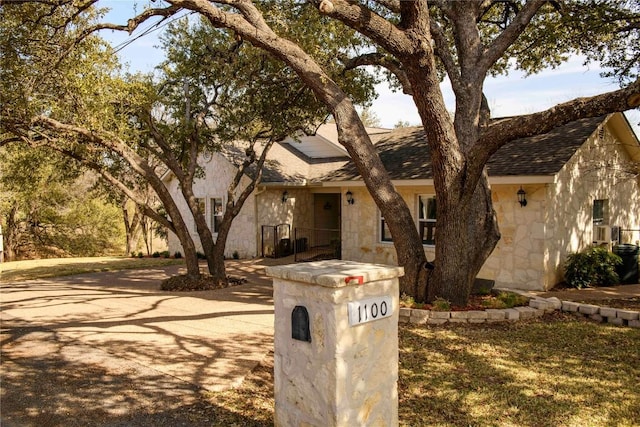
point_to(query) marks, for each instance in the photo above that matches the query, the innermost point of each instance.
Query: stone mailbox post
(336, 344)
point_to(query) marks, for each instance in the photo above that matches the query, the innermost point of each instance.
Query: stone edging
(537, 307)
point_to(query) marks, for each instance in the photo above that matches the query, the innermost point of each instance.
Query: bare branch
(372, 25)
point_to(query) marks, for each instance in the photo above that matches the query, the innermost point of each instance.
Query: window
(427, 219)
(426, 222)
(216, 214)
(385, 234)
(600, 212)
(201, 207)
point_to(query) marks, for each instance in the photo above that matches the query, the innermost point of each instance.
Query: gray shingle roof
(405, 153)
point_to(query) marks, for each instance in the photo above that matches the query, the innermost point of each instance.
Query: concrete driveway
(207, 340)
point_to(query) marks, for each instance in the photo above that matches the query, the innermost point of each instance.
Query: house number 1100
(368, 310)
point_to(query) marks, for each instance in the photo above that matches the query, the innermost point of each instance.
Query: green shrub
(236, 255)
(441, 304)
(594, 266)
(140, 255)
(156, 254)
(166, 254)
(200, 255)
(177, 255)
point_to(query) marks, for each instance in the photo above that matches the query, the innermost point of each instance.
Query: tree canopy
(418, 43)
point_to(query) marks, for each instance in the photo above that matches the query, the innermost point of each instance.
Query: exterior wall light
(522, 197)
(349, 195)
(285, 196)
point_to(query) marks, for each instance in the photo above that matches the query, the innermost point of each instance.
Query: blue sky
(508, 95)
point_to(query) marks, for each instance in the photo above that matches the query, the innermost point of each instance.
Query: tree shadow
(529, 374)
(49, 390)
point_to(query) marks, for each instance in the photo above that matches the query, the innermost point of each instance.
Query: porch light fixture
(349, 195)
(522, 197)
(285, 196)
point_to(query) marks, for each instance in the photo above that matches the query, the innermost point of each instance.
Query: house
(579, 181)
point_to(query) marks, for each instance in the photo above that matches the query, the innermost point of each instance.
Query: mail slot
(300, 324)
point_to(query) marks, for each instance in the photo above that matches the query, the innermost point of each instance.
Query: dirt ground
(49, 384)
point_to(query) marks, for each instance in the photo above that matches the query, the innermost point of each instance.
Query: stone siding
(345, 375)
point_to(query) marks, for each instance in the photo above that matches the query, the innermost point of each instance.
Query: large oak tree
(419, 42)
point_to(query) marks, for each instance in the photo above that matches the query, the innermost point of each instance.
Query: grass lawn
(556, 371)
(43, 268)
(559, 371)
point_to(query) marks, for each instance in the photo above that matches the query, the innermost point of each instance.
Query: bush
(595, 266)
(441, 304)
(140, 255)
(236, 255)
(177, 255)
(166, 254)
(156, 254)
(200, 255)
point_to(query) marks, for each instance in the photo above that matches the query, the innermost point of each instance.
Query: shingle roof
(405, 153)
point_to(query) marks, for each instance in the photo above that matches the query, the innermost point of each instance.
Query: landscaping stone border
(536, 308)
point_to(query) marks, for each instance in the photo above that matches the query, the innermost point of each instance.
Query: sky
(507, 95)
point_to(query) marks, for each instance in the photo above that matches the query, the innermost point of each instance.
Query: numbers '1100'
(368, 310)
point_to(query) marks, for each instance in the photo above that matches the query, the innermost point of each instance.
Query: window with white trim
(216, 214)
(600, 212)
(385, 234)
(427, 219)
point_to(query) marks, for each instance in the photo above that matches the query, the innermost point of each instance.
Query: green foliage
(595, 266)
(235, 255)
(49, 207)
(177, 255)
(505, 300)
(441, 304)
(156, 254)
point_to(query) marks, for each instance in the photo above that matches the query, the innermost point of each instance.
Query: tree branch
(507, 37)
(370, 24)
(384, 61)
(503, 131)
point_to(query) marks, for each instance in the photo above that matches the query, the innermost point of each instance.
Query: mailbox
(300, 324)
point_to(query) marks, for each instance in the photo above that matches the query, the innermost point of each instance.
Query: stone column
(340, 369)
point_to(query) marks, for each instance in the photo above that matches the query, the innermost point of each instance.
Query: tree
(216, 90)
(210, 93)
(61, 89)
(419, 42)
(50, 208)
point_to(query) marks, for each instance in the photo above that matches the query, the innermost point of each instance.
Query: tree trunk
(466, 235)
(132, 227)
(10, 234)
(406, 240)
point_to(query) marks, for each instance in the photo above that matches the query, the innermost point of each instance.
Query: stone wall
(345, 374)
(596, 171)
(517, 261)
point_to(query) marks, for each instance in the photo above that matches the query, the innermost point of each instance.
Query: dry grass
(43, 268)
(559, 371)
